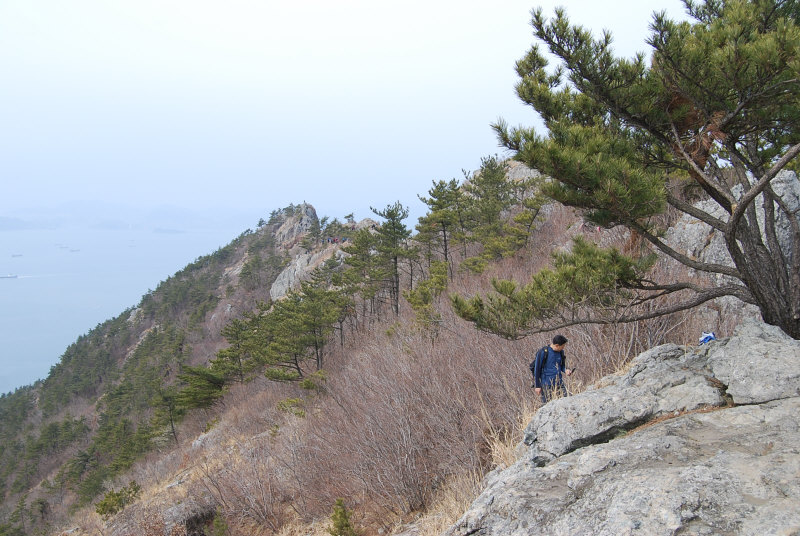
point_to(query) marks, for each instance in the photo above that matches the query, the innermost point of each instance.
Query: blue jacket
(547, 367)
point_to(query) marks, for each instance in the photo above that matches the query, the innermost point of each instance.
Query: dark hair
(559, 339)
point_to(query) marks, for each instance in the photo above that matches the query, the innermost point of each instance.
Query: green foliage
(445, 217)
(7, 529)
(86, 366)
(203, 387)
(250, 276)
(340, 521)
(337, 229)
(168, 411)
(717, 104)
(240, 360)
(491, 197)
(298, 327)
(115, 501)
(588, 277)
(219, 526)
(293, 406)
(422, 298)
(278, 338)
(313, 381)
(392, 247)
(365, 272)
(129, 366)
(211, 424)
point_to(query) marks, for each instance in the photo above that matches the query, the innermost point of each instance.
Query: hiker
(548, 369)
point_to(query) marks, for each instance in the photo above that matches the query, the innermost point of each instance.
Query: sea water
(70, 279)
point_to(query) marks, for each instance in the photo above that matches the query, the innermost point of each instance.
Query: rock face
(296, 226)
(687, 441)
(299, 269)
(699, 241)
(303, 263)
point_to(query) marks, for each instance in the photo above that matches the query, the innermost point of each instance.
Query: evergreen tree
(422, 299)
(715, 107)
(301, 324)
(288, 342)
(240, 359)
(365, 273)
(323, 308)
(500, 211)
(392, 247)
(437, 226)
(167, 409)
(340, 521)
(203, 387)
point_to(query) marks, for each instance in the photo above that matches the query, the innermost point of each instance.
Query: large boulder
(687, 441)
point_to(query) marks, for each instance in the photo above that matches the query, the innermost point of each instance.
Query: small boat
(9, 276)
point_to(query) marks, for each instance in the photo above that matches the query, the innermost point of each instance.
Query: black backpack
(532, 366)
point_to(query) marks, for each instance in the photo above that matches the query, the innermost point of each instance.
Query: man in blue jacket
(548, 369)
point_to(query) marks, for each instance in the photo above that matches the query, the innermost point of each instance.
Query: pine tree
(392, 247)
(436, 228)
(340, 521)
(240, 359)
(500, 211)
(203, 387)
(717, 108)
(365, 273)
(167, 409)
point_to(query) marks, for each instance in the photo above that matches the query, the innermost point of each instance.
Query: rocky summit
(700, 441)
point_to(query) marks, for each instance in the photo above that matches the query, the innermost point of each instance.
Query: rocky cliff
(302, 262)
(699, 440)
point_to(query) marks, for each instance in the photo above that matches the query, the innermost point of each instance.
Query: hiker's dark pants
(553, 389)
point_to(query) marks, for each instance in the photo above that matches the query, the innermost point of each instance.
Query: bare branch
(722, 197)
(683, 259)
(699, 298)
(693, 211)
(740, 207)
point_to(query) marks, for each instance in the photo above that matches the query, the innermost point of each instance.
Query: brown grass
(404, 428)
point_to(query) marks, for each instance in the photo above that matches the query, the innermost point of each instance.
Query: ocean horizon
(59, 282)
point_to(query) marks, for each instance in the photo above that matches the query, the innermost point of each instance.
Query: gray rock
(662, 380)
(659, 450)
(699, 241)
(299, 269)
(758, 364)
(296, 226)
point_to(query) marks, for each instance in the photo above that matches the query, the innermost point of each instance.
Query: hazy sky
(250, 105)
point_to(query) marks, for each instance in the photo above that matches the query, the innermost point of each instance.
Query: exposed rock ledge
(720, 453)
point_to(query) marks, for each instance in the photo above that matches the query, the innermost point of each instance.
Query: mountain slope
(101, 407)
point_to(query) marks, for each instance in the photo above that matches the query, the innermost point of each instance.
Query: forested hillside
(359, 383)
(320, 376)
(109, 398)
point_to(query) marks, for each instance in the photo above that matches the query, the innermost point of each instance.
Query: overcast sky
(251, 105)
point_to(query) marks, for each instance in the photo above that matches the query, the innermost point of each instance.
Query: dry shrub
(86, 522)
(401, 417)
(246, 483)
(297, 528)
(503, 441)
(452, 500)
(406, 424)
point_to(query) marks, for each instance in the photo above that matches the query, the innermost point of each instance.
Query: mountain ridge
(411, 384)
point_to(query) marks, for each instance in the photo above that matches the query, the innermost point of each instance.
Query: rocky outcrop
(299, 269)
(304, 262)
(687, 441)
(296, 226)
